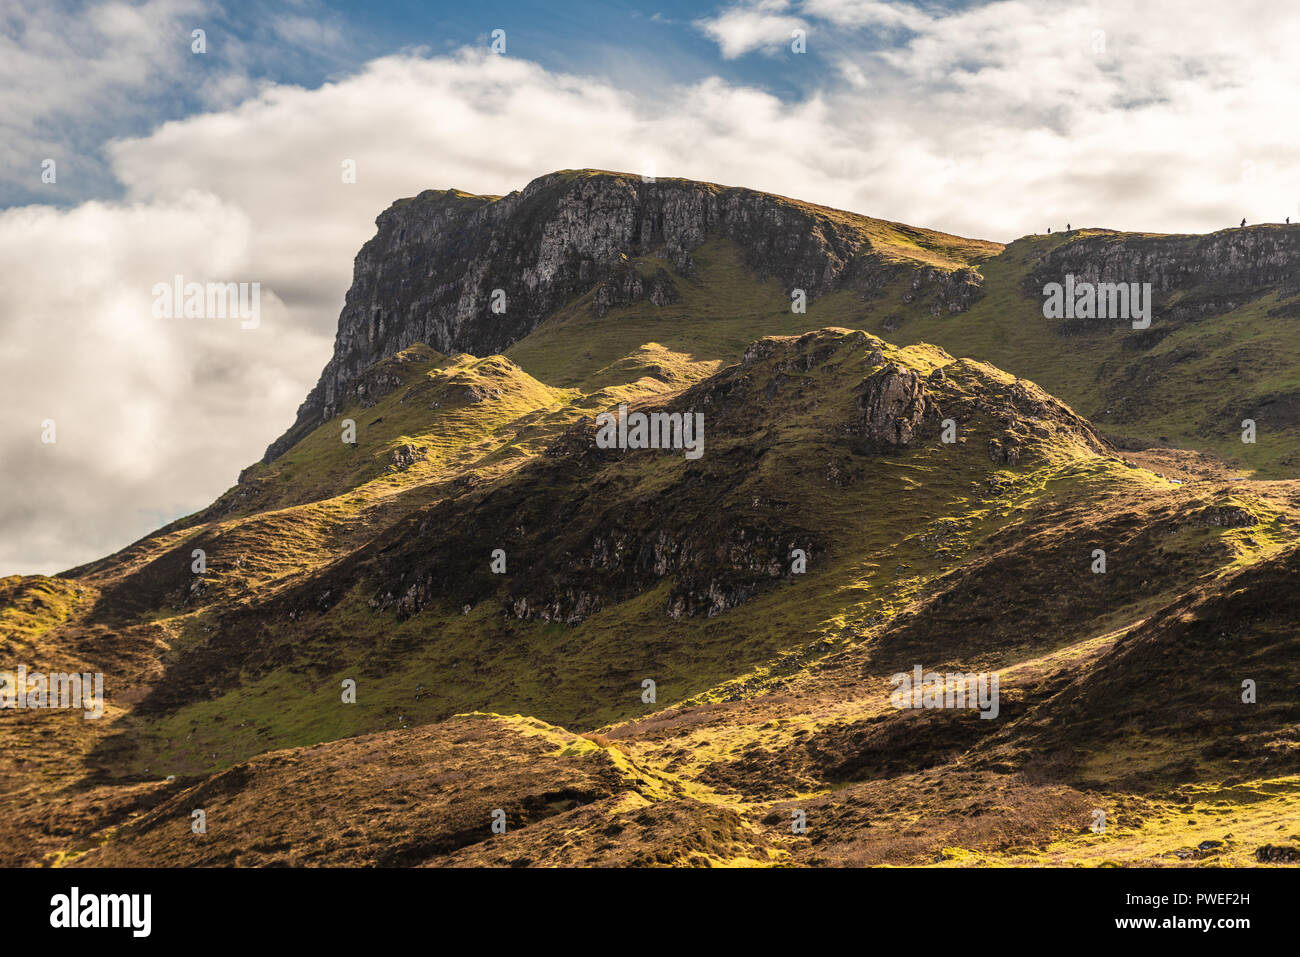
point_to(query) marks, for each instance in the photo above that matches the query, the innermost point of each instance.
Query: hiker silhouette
(1243, 221)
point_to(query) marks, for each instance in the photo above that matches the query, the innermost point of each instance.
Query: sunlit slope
(1206, 364)
(560, 797)
(696, 558)
(771, 685)
(1215, 354)
(420, 424)
(948, 499)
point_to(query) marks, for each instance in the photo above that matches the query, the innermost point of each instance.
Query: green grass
(323, 498)
(31, 606)
(873, 560)
(430, 410)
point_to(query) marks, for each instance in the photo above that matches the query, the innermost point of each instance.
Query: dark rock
(404, 456)
(1214, 273)
(1277, 854)
(1226, 516)
(1004, 452)
(894, 405)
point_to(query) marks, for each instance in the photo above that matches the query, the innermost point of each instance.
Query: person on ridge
(1243, 222)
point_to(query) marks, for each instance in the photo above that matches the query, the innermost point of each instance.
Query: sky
(223, 164)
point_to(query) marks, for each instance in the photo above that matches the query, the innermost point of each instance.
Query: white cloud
(991, 121)
(67, 73)
(151, 415)
(760, 25)
(867, 13)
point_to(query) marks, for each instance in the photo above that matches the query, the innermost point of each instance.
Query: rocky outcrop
(946, 293)
(1277, 854)
(1004, 452)
(404, 456)
(1213, 273)
(628, 286)
(475, 274)
(1226, 516)
(894, 404)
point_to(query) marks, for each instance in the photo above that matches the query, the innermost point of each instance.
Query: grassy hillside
(370, 562)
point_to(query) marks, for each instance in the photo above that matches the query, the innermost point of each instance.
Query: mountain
(918, 470)
(438, 260)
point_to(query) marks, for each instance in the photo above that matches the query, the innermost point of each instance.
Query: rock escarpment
(475, 274)
(1212, 274)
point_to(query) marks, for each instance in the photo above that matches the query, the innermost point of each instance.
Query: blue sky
(990, 119)
(636, 46)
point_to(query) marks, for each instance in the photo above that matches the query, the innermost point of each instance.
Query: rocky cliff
(475, 274)
(1191, 276)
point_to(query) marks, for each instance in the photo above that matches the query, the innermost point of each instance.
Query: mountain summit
(475, 274)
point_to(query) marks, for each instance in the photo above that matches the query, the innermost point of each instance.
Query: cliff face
(475, 274)
(1213, 274)
(432, 271)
